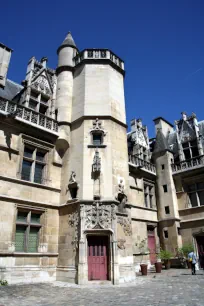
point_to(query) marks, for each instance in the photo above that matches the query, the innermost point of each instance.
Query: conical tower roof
(68, 42)
(161, 142)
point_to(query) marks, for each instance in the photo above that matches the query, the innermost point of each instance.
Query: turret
(167, 199)
(66, 53)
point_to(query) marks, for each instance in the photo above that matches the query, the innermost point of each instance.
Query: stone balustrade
(140, 163)
(99, 54)
(189, 164)
(29, 115)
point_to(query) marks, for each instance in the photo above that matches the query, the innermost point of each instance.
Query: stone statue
(96, 162)
(72, 177)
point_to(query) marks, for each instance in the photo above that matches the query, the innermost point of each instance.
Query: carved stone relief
(96, 167)
(99, 215)
(121, 244)
(73, 221)
(73, 185)
(97, 127)
(125, 222)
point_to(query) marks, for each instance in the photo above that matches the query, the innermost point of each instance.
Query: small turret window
(166, 234)
(97, 139)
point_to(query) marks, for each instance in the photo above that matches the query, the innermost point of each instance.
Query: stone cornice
(105, 117)
(144, 220)
(24, 254)
(169, 219)
(27, 202)
(22, 182)
(191, 210)
(143, 208)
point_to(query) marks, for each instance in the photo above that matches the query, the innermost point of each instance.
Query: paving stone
(170, 288)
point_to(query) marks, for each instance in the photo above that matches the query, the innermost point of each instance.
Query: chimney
(5, 55)
(44, 61)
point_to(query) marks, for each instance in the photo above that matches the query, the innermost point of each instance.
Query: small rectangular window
(167, 210)
(179, 230)
(165, 188)
(20, 238)
(146, 200)
(33, 240)
(22, 216)
(151, 201)
(28, 152)
(38, 173)
(166, 235)
(163, 167)
(32, 104)
(26, 170)
(97, 139)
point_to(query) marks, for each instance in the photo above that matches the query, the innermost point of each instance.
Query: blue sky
(161, 42)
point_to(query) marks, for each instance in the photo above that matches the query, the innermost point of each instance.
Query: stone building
(80, 199)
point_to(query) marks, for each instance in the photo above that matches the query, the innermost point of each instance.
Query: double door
(97, 257)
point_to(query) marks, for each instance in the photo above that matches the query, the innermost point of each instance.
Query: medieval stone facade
(78, 194)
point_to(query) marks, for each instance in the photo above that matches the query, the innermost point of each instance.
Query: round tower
(66, 53)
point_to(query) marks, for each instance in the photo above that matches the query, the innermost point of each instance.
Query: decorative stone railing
(29, 115)
(188, 164)
(140, 163)
(99, 54)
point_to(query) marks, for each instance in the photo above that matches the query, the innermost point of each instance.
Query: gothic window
(28, 225)
(196, 194)
(190, 149)
(149, 195)
(33, 164)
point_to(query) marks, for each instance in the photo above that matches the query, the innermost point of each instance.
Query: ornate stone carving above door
(99, 215)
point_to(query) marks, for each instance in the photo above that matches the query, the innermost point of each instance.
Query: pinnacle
(69, 41)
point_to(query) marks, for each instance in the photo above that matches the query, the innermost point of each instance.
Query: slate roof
(68, 41)
(161, 142)
(10, 90)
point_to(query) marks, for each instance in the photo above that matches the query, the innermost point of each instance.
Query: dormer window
(190, 149)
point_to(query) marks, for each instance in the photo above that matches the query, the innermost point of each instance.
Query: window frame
(37, 97)
(149, 194)
(189, 147)
(28, 224)
(196, 192)
(97, 133)
(39, 145)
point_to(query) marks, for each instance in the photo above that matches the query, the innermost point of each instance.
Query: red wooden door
(152, 246)
(97, 257)
(200, 243)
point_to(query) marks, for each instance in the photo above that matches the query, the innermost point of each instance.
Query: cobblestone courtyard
(173, 287)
